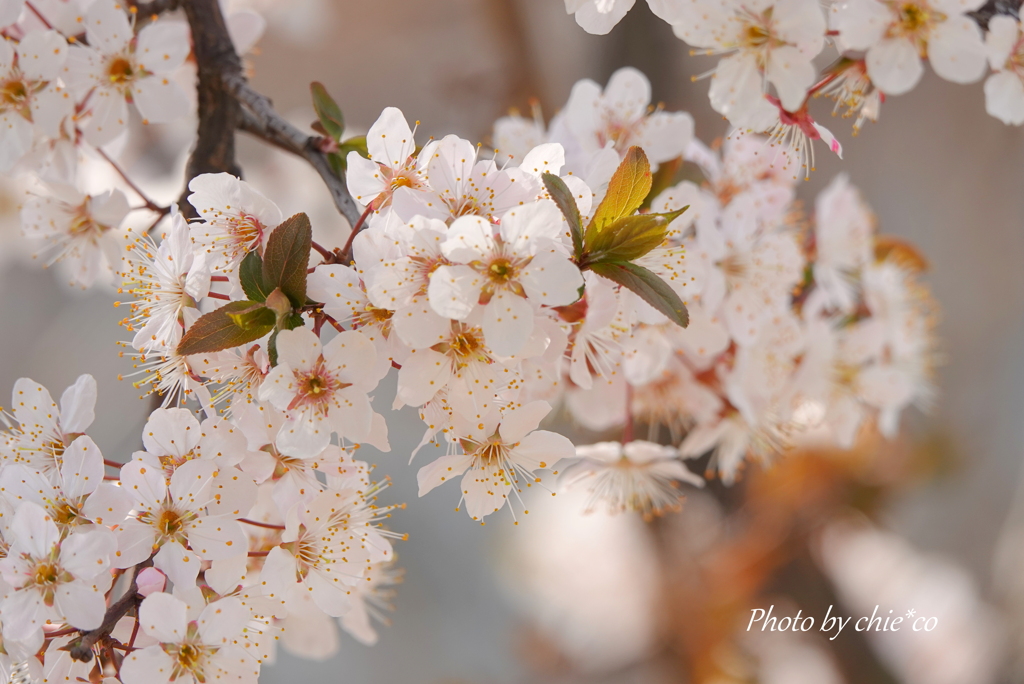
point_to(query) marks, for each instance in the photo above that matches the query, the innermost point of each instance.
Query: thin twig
(259, 118)
(150, 204)
(260, 524)
(39, 15)
(346, 252)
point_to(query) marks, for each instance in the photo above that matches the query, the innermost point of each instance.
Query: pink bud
(150, 581)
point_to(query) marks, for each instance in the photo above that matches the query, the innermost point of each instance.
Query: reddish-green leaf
(234, 324)
(563, 197)
(328, 111)
(250, 273)
(648, 286)
(286, 258)
(627, 190)
(627, 239)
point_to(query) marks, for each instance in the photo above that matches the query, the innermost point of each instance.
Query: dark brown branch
(216, 62)
(154, 7)
(82, 648)
(259, 118)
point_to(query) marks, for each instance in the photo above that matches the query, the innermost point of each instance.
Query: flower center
(315, 388)
(120, 71)
(501, 270)
(83, 224)
(14, 93)
(46, 574)
(464, 344)
(755, 36)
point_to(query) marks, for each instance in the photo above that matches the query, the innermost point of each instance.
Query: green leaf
(354, 144)
(286, 258)
(563, 197)
(629, 186)
(664, 178)
(337, 163)
(250, 273)
(626, 240)
(327, 110)
(272, 348)
(233, 324)
(648, 286)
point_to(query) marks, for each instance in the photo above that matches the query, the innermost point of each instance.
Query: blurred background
(933, 523)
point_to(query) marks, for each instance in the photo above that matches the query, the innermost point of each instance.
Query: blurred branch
(260, 119)
(216, 61)
(155, 7)
(227, 102)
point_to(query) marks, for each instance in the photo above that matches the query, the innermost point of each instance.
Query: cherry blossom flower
(198, 507)
(392, 165)
(898, 35)
(44, 431)
(75, 496)
(1004, 89)
(620, 117)
(202, 649)
(79, 229)
(118, 67)
(508, 274)
(635, 476)
(235, 218)
(501, 451)
(53, 581)
(768, 42)
(598, 16)
(328, 546)
(369, 601)
(168, 280)
(844, 242)
(32, 99)
(322, 390)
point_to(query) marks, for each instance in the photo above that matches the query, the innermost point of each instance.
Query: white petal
(389, 140)
(163, 617)
(150, 665)
(180, 565)
(82, 470)
(508, 323)
(516, 423)
(87, 554)
(422, 375)
(160, 99)
(454, 291)
(222, 621)
(81, 604)
(162, 46)
(33, 531)
(442, 470)
(217, 537)
(77, 404)
(792, 73)
(1004, 97)
(956, 50)
(894, 66)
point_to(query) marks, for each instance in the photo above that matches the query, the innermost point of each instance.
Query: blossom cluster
(605, 266)
(191, 560)
(767, 75)
(74, 76)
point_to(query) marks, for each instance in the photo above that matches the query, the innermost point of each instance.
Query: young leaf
(664, 178)
(233, 324)
(562, 196)
(648, 286)
(286, 258)
(626, 240)
(627, 190)
(354, 144)
(250, 273)
(328, 111)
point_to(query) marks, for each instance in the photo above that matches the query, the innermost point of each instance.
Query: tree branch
(216, 60)
(259, 118)
(82, 648)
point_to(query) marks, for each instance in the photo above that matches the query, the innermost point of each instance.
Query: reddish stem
(39, 15)
(327, 254)
(218, 295)
(346, 251)
(257, 523)
(150, 204)
(258, 554)
(112, 464)
(218, 279)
